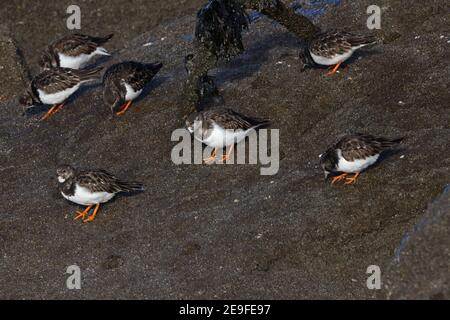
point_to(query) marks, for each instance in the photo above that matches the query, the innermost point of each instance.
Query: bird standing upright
(91, 187)
(221, 127)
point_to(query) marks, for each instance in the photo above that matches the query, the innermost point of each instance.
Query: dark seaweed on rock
(262, 4)
(219, 27)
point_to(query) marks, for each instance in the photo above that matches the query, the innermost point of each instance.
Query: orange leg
(227, 156)
(49, 113)
(336, 67)
(82, 214)
(57, 109)
(92, 216)
(352, 180)
(212, 158)
(127, 106)
(338, 178)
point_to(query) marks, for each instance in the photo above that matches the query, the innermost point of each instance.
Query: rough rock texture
(13, 72)
(421, 267)
(225, 231)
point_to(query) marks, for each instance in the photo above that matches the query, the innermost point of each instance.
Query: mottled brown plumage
(91, 187)
(134, 74)
(362, 146)
(226, 118)
(336, 42)
(56, 80)
(103, 181)
(354, 153)
(72, 45)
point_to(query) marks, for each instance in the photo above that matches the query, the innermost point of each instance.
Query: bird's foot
(334, 69)
(124, 109)
(82, 214)
(338, 178)
(53, 110)
(228, 155)
(211, 159)
(352, 180)
(92, 216)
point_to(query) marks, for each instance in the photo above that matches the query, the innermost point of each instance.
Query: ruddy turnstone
(353, 154)
(333, 48)
(91, 187)
(123, 82)
(73, 51)
(54, 86)
(221, 127)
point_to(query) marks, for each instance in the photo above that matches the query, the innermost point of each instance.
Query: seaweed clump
(219, 27)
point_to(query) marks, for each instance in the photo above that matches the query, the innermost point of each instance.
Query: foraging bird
(91, 187)
(73, 51)
(54, 86)
(221, 127)
(333, 48)
(353, 154)
(124, 82)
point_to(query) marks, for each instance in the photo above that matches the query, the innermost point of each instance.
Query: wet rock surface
(225, 231)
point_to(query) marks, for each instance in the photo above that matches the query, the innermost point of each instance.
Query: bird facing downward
(124, 82)
(332, 48)
(353, 154)
(73, 51)
(91, 187)
(54, 86)
(221, 127)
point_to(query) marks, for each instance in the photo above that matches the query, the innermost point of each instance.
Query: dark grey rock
(225, 231)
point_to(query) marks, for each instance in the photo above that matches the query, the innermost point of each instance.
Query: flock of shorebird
(63, 73)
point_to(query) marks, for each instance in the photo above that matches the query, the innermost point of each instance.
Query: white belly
(80, 61)
(58, 97)
(357, 165)
(85, 198)
(221, 138)
(131, 94)
(331, 61)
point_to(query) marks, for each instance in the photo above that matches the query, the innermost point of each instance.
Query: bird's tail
(389, 143)
(102, 51)
(154, 67)
(258, 122)
(89, 74)
(363, 40)
(131, 186)
(102, 40)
